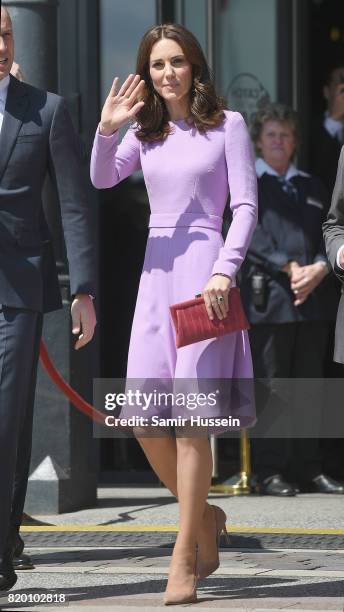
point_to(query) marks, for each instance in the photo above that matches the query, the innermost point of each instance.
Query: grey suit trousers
(20, 333)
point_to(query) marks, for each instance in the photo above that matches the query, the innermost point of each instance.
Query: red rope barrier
(66, 389)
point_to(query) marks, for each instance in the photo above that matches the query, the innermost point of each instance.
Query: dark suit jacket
(288, 230)
(334, 239)
(325, 151)
(37, 137)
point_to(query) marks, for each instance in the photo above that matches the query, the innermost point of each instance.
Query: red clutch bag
(193, 324)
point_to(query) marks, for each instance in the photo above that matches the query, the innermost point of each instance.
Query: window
(247, 53)
(122, 25)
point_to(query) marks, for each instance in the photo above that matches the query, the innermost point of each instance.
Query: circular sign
(247, 95)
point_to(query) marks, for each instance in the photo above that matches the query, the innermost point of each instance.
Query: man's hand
(83, 318)
(305, 279)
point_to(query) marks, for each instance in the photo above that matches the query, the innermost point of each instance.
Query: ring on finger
(220, 298)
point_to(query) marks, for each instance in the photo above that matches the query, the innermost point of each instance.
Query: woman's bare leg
(194, 470)
(161, 453)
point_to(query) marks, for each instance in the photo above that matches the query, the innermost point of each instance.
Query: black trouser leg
(292, 350)
(25, 439)
(309, 359)
(271, 347)
(18, 332)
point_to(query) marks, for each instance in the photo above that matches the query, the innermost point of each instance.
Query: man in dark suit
(328, 132)
(334, 240)
(36, 137)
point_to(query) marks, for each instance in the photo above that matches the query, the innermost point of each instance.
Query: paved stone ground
(134, 577)
(115, 579)
(156, 505)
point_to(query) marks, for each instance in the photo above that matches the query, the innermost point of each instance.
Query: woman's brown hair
(206, 107)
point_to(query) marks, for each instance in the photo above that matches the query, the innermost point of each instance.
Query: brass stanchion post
(242, 483)
(214, 450)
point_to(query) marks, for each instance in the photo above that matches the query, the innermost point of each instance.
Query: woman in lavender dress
(192, 153)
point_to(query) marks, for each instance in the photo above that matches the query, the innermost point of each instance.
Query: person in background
(328, 132)
(288, 293)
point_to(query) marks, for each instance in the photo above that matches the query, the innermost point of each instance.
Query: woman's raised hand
(121, 107)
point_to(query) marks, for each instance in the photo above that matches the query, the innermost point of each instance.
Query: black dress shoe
(7, 581)
(23, 562)
(324, 484)
(275, 485)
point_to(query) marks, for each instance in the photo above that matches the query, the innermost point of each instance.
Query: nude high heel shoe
(181, 591)
(206, 567)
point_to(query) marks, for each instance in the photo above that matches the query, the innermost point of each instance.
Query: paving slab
(119, 578)
(127, 568)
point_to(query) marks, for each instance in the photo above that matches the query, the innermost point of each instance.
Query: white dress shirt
(334, 127)
(4, 83)
(262, 167)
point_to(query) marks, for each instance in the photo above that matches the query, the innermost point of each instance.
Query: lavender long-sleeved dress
(188, 177)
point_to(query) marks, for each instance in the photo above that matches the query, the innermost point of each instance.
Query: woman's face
(170, 71)
(277, 143)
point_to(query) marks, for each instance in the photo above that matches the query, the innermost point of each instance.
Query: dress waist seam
(185, 220)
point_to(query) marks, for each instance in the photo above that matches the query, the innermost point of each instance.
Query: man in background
(328, 132)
